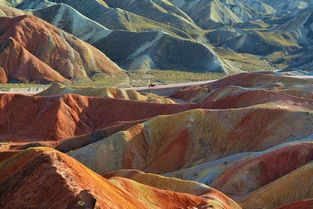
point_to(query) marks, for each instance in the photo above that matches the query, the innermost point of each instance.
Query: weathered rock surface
(35, 51)
(277, 35)
(158, 50)
(217, 199)
(244, 146)
(304, 204)
(248, 136)
(71, 21)
(42, 178)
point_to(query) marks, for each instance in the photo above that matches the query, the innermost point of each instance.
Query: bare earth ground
(168, 86)
(166, 89)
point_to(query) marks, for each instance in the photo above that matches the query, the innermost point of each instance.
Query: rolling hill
(35, 51)
(244, 141)
(275, 34)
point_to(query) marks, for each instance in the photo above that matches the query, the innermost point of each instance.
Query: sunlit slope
(250, 35)
(194, 137)
(41, 52)
(59, 89)
(217, 199)
(48, 175)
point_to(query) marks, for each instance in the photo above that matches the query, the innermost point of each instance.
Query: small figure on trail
(151, 85)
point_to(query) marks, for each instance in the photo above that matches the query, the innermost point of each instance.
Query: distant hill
(222, 36)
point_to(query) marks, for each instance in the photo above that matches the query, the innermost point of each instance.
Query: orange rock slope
(169, 143)
(251, 141)
(248, 82)
(35, 118)
(35, 51)
(303, 204)
(257, 149)
(45, 178)
(75, 115)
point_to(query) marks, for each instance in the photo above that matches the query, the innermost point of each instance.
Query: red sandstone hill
(32, 50)
(45, 178)
(247, 81)
(35, 118)
(252, 142)
(56, 118)
(264, 168)
(302, 204)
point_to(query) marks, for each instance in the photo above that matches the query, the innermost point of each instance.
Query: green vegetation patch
(172, 76)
